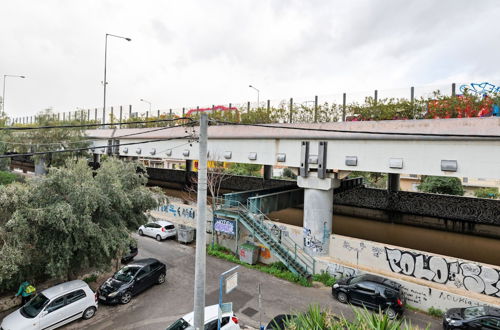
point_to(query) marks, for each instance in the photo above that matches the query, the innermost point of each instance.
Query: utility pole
(200, 266)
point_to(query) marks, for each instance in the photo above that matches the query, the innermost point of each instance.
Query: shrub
(90, 278)
(486, 193)
(324, 278)
(7, 177)
(435, 312)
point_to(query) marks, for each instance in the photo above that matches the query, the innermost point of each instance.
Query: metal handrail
(299, 254)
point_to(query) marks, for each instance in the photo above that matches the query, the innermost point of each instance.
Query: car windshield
(126, 273)
(354, 280)
(473, 312)
(34, 306)
(180, 324)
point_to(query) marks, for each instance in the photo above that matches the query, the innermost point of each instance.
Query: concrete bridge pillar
(318, 212)
(189, 165)
(268, 172)
(393, 182)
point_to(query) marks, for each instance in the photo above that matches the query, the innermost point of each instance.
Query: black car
(371, 291)
(132, 252)
(132, 279)
(478, 317)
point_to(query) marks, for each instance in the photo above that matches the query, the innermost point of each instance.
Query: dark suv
(132, 279)
(371, 291)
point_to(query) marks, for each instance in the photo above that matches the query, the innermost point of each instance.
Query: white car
(54, 307)
(158, 229)
(229, 320)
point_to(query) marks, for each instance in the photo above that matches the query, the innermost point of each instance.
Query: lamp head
(128, 39)
(22, 77)
(250, 86)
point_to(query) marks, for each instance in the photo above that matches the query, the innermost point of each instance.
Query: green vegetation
(7, 177)
(491, 193)
(70, 220)
(372, 179)
(276, 269)
(324, 278)
(317, 319)
(288, 173)
(91, 278)
(442, 185)
(436, 312)
(245, 169)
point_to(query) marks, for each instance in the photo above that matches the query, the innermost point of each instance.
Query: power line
(359, 132)
(94, 147)
(93, 125)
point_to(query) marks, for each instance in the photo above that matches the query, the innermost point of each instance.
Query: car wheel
(161, 279)
(89, 313)
(140, 232)
(342, 297)
(126, 297)
(158, 238)
(391, 313)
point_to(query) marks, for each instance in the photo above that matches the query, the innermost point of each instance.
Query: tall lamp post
(3, 93)
(146, 101)
(105, 62)
(258, 94)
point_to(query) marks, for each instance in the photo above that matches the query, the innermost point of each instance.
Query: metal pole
(375, 98)
(291, 110)
(268, 109)
(111, 116)
(121, 115)
(200, 267)
(3, 94)
(412, 100)
(248, 107)
(453, 89)
(103, 116)
(88, 115)
(95, 115)
(129, 111)
(105, 64)
(344, 104)
(183, 111)
(315, 118)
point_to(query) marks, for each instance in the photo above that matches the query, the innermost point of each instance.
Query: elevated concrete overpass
(325, 153)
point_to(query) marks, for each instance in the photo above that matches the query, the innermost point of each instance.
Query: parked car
(132, 252)
(371, 291)
(229, 320)
(478, 317)
(131, 280)
(158, 229)
(54, 307)
(278, 322)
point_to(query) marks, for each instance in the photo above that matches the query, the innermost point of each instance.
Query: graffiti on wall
(312, 242)
(179, 211)
(467, 275)
(480, 88)
(339, 271)
(264, 252)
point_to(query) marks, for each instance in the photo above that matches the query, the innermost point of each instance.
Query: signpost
(231, 284)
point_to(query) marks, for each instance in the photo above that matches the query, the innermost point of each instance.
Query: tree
(442, 185)
(372, 179)
(486, 193)
(61, 224)
(51, 139)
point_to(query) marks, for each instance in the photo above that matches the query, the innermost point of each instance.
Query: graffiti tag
(472, 277)
(480, 88)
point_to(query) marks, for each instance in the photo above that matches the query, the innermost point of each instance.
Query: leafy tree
(288, 173)
(51, 139)
(442, 185)
(70, 220)
(372, 179)
(486, 193)
(245, 169)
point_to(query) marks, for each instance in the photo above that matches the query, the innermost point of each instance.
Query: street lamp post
(146, 101)
(258, 94)
(3, 92)
(105, 62)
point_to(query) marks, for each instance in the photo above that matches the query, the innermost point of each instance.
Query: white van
(54, 307)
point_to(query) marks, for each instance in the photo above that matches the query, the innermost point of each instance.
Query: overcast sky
(188, 53)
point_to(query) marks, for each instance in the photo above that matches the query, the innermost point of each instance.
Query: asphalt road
(160, 305)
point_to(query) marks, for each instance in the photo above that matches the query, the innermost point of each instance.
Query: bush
(486, 193)
(288, 173)
(90, 279)
(442, 185)
(435, 312)
(324, 278)
(7, 177)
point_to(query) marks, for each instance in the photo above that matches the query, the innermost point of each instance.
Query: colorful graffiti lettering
(177, 211)
(480, 88)
(472, 277)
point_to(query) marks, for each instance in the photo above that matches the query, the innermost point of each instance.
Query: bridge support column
(393, 182)
(318, 212)
(189, 165)
(268, 172)
(41, 165)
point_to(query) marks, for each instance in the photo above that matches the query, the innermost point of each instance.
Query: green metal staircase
(284, 248)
